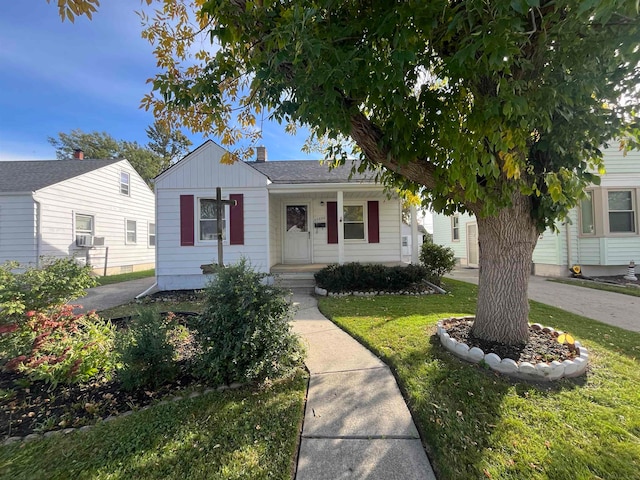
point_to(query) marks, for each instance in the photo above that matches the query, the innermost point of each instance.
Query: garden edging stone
(542, 371)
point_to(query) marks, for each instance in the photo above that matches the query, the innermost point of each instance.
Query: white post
(414, 235)
(340, 208)
(631, 272)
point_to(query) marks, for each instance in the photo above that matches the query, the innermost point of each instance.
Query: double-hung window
(587, 218)
(622, 215)
(125, 183)
(84, 224)
(354, 222)
(152, 234)
(455, 228)
(208, 223)
(131, 227)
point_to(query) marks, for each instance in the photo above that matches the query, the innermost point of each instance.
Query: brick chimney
(262, 154)
(78, 154)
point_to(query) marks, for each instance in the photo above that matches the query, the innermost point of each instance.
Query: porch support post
(340, 205)
(414, 235)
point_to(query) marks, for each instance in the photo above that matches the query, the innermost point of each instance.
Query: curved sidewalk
(356, 423)
(611, 308)
(113, 295)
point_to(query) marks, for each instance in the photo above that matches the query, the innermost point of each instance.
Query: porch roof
(310, 172)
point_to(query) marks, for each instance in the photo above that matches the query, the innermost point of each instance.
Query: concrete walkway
(356, 423)
(109, 296)
(611, 308)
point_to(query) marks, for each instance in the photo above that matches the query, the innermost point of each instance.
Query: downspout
(38, 230)
(568, 240)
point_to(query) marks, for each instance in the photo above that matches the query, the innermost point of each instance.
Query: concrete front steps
(295, 280)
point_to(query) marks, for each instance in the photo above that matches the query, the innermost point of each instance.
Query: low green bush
(146, 353)
(243, 332)
(438, 260)
(370, 277)
(56, 282)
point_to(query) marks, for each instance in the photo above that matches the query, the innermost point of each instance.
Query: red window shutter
(373, 224)
(332, 222)
(186, 221)
(236, 219)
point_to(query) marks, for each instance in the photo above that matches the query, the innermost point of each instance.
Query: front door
(297, 236)
(473, 253)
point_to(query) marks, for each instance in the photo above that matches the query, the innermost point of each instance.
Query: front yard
(477, 424)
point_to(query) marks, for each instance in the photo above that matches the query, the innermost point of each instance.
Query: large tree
(101, 145)
(170, 145)
(496, 108)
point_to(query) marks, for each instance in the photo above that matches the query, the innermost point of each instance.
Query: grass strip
(478, 424)
(631, 290)
(124, 277)
(221, 435)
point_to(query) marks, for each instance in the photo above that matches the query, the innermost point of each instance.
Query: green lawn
(477, 424)
(124, 277)
(230, 435)
(631, 290)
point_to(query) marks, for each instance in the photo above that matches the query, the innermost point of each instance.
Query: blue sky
(89, 75)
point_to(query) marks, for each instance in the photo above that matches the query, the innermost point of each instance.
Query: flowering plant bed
(542, 358)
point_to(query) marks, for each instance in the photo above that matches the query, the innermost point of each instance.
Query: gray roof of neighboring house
(29, 176)
(309, 171)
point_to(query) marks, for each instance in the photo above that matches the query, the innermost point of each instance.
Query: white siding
(179, 267)
(387, 250)
(616, 161)
(201, 169)
(97, 193)
(442, 234)
(17, 229)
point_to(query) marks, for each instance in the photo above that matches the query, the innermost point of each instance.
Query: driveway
(108, 296)
(608, 307)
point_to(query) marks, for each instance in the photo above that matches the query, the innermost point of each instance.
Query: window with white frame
(208, 223)
(455, 228)
(587, 217)
(353, 220)
(621, 211)
(152, 234)
(84, 224)
(131, 231)
(125, 183)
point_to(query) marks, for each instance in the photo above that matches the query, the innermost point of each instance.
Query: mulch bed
(34, 406)
(541, 347)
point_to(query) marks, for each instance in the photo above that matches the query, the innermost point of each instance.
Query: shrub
(31, 298)
(58, 346)
(438, 260)
(145, 351)
(56, 282)
(370, 277)
(244, 332)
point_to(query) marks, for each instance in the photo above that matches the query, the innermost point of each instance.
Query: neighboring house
(602, 236)
(77, 208)
(286, 212)
(407, 240)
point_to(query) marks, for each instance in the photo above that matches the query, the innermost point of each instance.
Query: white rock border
(324, 293)
(546, 372)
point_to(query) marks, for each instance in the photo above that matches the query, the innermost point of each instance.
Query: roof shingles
(29, 176)
(308, 171)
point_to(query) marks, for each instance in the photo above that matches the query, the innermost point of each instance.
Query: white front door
(473, 253)
(297, 236)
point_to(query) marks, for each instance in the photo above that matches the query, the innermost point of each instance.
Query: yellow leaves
(510, 165)
(70, 9)
(566, 338)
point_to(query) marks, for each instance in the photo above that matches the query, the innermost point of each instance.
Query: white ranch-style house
(287, 215)
(602, 235)
(98, 211)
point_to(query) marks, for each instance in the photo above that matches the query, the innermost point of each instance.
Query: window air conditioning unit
(84, 240)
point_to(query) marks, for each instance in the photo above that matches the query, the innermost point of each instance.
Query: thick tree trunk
(506, 244)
